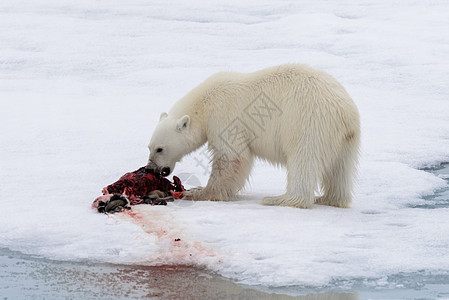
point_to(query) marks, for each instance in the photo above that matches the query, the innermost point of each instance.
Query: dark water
(440, 199)
(28, 277)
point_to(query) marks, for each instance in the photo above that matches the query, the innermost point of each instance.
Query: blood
(140, 186)
(135, 185)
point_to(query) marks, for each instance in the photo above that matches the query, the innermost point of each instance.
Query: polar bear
(291, 115)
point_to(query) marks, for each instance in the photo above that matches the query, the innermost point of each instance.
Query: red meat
(135, 185)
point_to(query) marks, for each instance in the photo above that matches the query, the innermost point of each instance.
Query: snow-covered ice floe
(82, 86)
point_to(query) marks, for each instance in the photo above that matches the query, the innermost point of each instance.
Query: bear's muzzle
(154, 168)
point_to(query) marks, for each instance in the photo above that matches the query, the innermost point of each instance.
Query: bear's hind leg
(338, 180)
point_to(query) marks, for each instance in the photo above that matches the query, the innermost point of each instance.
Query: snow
(82, 85)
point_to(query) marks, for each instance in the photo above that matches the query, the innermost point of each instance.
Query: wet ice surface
(82, 86)
(440, 199)
(28, 277)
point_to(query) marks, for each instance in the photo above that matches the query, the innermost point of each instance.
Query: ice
(82, 85)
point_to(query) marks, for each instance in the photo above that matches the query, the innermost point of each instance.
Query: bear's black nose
(165, 171)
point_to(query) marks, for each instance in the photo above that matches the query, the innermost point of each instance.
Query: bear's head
(171, 140)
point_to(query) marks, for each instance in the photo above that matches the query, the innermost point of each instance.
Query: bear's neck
(197, 131)
(197, 134)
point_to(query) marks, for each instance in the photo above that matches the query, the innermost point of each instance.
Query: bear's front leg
(192, 194)
(301, 183)
(228, 176)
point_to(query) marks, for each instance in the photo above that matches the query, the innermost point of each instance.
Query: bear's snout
(165, 171)
(153, 168)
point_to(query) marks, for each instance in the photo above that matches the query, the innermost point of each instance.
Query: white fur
(311, 126)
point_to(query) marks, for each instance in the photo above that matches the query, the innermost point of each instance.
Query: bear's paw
(287, 200)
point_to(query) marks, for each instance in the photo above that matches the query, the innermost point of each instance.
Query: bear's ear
(183, 123)
(163, 116)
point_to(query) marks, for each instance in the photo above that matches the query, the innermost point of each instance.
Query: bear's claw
(286, 200)
(192, 194)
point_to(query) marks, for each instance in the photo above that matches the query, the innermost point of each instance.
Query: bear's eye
(158, 150)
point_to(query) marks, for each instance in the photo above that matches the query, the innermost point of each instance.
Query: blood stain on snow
(173, 248)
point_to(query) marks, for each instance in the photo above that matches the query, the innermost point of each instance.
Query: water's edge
(28, 277)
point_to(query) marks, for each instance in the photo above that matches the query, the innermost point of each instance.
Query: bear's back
(276, 104)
